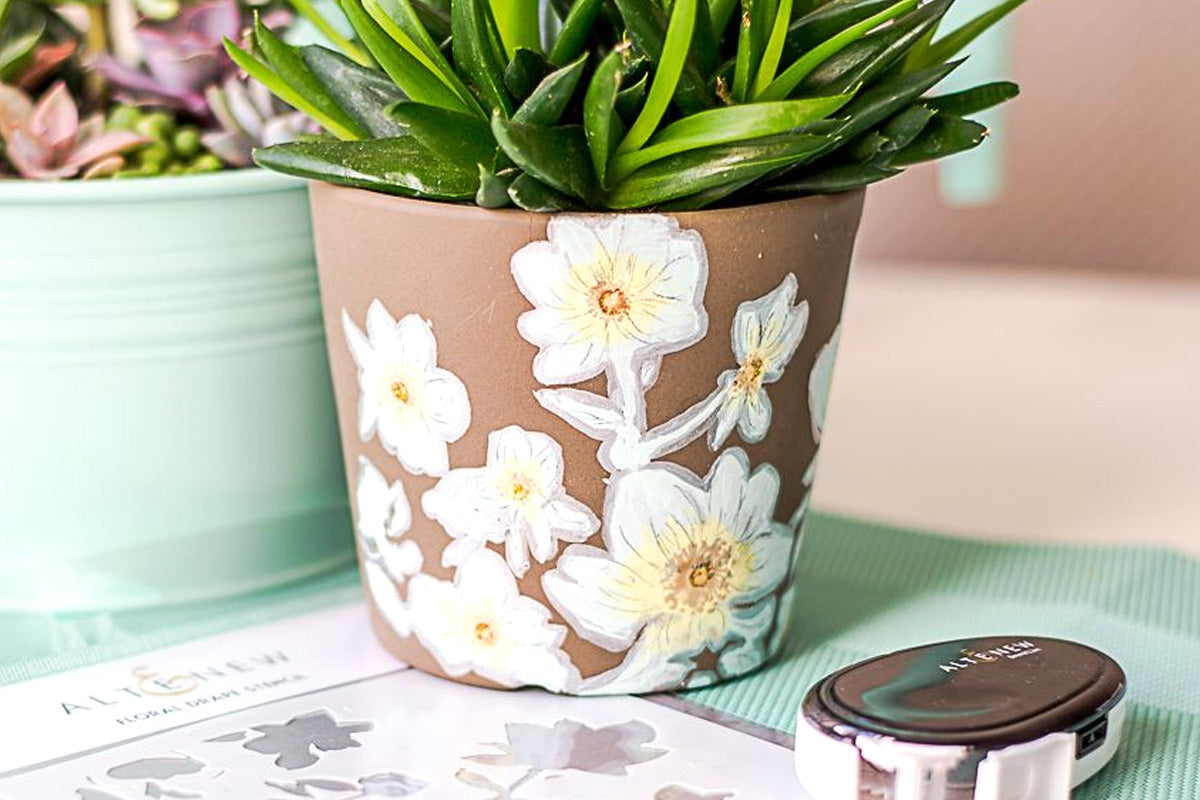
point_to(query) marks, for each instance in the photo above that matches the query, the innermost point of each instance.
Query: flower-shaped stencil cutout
(766, 333)
(690, 566)
(571, 745)
(612, 290)
(384, 516)
(294, 741)
(518, 499)
(416, 407)
(480, 623)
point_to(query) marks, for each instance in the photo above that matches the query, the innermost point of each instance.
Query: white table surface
(1018, 404)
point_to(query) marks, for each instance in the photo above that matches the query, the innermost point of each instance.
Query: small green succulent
(624, 104)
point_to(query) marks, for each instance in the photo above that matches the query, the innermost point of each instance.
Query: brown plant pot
(605, 496)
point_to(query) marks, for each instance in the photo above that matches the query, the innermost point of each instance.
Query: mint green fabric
(862, 589)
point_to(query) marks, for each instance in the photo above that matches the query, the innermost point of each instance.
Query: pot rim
(468, 211)
(249, 180)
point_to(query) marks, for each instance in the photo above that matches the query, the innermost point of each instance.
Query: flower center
(750, 376)
(612, 301)
(400, 391)
(519, 491)
(485, 634)
(699, 577)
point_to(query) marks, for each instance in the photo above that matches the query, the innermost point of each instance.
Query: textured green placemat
(863, 589)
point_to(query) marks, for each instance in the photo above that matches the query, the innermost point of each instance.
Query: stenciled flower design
(518, 499)
(384, 516)
(416, 407)
(294, 741)
(690, 566)
(613, 292)
(480, 623)
(820, 380)
(571, 745)
(766, 333)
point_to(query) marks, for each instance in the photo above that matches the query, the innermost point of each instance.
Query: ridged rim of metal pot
(167, 187)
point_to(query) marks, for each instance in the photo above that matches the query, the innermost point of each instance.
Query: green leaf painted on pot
(457, 138)
(558, 157)
(363, 93)
(548, 102)
(974, 100)
(395, 166)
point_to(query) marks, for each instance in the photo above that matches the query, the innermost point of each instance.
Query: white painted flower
(766, 333)
(518, 499)
(384, 517)
(416, 407)
(611, 290)
(690, 566)
(480, 623)
(819, 382)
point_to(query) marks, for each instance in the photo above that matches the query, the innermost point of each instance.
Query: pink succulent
(182, 57)
(47, 141)
(249, 116)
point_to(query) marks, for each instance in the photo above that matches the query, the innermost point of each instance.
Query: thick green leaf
(408, 73)
(720, 12)
(727, 125)
(17, 53)
(773, 51)
(744, 61)
(703, 170)
(872, 55)
(286, 62)
(601, 123)
(875, 104)
(574, 33)
(558, 157)
(493, 187)
(264, 74)
(363, 93)
(646, 26)
(863, 148)
(548, 102)
(804, 66)
(974, 100)
(629, 100)
(825, 22)
(453, 136)
(524, 72)
(944, 136)
(531, 194)
(831, 180)
(475, 51)
(517, 23)
(404, 23)
(952, 44)
(905, 126)
(668, 69)
(306, 9)
(396, 166)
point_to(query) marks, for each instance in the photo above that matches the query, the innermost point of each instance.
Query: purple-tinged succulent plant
(47, 140)
(182, 57)
(249, 117)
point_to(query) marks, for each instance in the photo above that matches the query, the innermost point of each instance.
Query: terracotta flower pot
(580, 447)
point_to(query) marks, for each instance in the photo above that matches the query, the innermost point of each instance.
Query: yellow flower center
(519, 491)
(400, 391)
(699, 577)
(485, 634)
(611, 300)
(749, 377)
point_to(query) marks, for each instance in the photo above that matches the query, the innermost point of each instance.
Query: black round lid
(989, 691)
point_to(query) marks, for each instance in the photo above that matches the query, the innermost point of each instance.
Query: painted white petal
(679, 324)
(745, 502)
(819, 382)
(459, 505)
(419, 450)
(570, 519)
(539, 666)
(751, 627)
(386, 598)
(568, 363)
(371, 498)
(646, 668)
(360, 348)
(484, 581)
(539, 271)
(598, 597)
(381, 326)
(772, 560)
(516, 553)
(402, 559)
(438, 621)
(728, 414)
(745, 332)
(418, 347)
(459, 551)
(786, 342)
(590, 414)
(644, 504)
(540, 538)
(755, 419)
(445, 401)
(582, 238)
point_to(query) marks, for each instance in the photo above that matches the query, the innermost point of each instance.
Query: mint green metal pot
(167, 429)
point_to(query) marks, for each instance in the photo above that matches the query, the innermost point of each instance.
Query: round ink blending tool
(996, 718)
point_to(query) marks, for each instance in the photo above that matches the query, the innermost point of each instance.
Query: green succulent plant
(624, 104)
